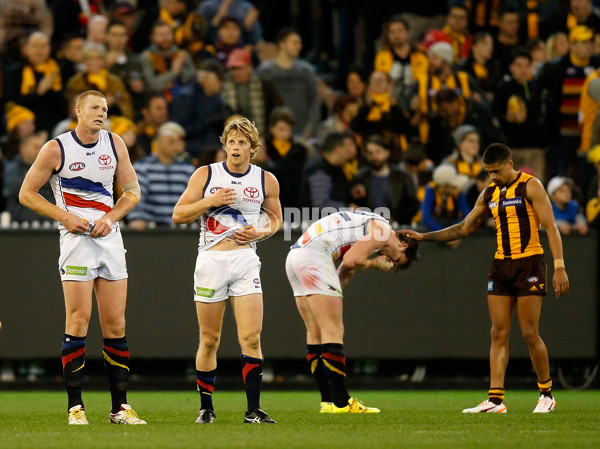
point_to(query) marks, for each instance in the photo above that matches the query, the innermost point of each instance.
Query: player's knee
(530, 336)
(499, 333)
(209, 342)
(250, 341)
(78, 324)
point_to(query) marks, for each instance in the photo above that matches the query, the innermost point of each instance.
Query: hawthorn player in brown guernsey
(519, 205)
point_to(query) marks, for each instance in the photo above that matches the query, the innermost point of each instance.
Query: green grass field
(408, 420)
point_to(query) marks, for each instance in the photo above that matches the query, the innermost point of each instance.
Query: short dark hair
(284, 33)
(507, 9)
(481, 36)
(446, 96)
(410, 252)
(212, 65)
(282, 114)
(331, 142)
(520, 52)
(151, 96)
(496, 153)
(378, 140)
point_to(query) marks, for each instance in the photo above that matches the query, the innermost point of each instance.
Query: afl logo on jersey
(214, 189)
(76, 166)
(251, 192)
(104, 159)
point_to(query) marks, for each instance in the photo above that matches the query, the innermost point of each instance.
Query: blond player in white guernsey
(351, 237)
(229, 198)
(81, 166)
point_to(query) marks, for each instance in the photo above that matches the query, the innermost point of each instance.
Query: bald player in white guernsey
(228, 198)
(351, 237)
(81, 166)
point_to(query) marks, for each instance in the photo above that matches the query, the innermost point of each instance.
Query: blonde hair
(88, 93)
(247, 129)
(170, 129)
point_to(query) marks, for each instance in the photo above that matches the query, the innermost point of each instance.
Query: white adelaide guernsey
(219, 223)
(83, 185)
(336, 233)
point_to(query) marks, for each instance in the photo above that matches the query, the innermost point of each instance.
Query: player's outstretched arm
(358, 256)
(272, 207)
(458, 231)
(192, 203)
(48, 160)
(543, 209)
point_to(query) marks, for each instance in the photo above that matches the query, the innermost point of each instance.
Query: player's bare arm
(48, 160)
(272, 207)
(193, 204)
(543, 209)
(358, 256)
(458, 231)
(126, 175)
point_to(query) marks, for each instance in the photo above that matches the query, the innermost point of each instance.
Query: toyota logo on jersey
(104, 159)
(214, 189)
(251, 192)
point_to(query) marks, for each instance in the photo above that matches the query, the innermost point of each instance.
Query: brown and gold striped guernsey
(517, 225)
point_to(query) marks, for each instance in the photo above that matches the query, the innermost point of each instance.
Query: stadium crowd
(359, 104)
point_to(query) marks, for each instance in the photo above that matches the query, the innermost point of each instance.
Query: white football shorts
(221, 274)
(83, 258)
(312, 273)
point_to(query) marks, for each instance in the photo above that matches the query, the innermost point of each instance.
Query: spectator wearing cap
(96, 77)
(295, 80)
(465, 159)
(444, 203)
(455, 32)
(171, 12)
(561, 82)
(243, 11)
(124, 12)
(165, 67)
(36, 83)
(20, 123)
(517, 106)
(453, 111)
(384, 185)
(246, 93)
(229, 38)
(440, 75)
(200, 108)
(163, 177)
(567, 212)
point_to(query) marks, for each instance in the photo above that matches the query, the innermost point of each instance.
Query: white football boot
(487, 407)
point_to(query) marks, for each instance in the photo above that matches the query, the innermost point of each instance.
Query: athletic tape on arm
(132, 191)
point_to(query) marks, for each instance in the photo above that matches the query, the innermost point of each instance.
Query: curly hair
(245, 127)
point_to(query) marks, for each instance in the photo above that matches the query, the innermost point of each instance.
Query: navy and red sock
(252, 371)
(116, 360)
(73, 361)
(205, 383)
(335, 363)
(317, 368)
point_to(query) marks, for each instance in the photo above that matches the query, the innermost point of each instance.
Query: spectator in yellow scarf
(36, 83)
(96, 77)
